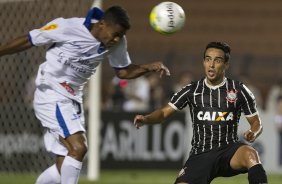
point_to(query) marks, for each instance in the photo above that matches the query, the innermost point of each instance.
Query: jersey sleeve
(119, 57)
(249, 106)
(50, 33)
(180, 99)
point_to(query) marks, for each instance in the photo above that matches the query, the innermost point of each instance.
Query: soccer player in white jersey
(215, 103)
(78, 46)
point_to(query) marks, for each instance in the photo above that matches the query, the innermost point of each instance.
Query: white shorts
(61, 116)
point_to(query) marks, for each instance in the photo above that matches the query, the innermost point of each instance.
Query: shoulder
(71, 22)
(67, 22)
(245, 90)
(59, 20)
(75, 20)
(233, 83)
(196, 84)
(72, 26)
(189, 88)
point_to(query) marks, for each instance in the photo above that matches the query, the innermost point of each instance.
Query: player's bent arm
(255, 128)
(17, 45)
(134, 71)
(156, 117)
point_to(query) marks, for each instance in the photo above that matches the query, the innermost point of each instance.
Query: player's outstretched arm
(17, 45)
(134, 71)
(255, 129)
(156, 117)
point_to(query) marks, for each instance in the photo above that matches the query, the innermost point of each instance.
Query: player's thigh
(197, 169)
(65, 117)
(71, 120)
(75, 141)
(244, 158)
(62, 118)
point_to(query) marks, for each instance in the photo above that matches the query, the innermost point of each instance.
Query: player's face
(214, 65)
(109, 34)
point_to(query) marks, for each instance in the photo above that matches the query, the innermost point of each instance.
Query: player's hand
(160, 67)
(139, 121)
(250, 136)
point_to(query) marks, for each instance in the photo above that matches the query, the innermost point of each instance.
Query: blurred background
(251, 28)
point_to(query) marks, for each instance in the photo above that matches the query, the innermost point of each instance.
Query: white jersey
(74, 56)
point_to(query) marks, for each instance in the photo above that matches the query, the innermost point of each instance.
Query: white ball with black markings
(167, 18)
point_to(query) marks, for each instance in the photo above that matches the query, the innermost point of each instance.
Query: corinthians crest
(231, 95)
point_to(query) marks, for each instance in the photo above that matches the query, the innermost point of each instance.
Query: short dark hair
(117, 15)
(222, 46)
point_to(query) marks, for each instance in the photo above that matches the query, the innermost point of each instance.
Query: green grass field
(134, 177)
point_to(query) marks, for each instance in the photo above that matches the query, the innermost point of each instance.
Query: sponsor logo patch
(49, 27)
(214, 116)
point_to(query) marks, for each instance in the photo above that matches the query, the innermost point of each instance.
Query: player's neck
(215, 84)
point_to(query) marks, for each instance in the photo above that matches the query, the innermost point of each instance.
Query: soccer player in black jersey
(215, 103)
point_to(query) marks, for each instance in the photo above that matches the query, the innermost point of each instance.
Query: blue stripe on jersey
(93, 13)
(29, 39)
(62, 122)
(101, 48)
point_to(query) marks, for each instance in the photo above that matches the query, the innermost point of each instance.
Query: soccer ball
(167, 18)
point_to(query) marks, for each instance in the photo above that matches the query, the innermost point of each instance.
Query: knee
(250, 156)
(78, 150)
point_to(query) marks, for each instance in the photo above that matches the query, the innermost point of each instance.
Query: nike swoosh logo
(197, 94)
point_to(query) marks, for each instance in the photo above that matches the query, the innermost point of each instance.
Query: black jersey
(215, 111)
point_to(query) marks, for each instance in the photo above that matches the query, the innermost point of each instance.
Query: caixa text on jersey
(215, 116)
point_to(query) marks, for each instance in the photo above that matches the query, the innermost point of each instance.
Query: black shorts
(203, 168)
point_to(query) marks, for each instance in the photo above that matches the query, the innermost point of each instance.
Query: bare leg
(71, 165)
(246, 157)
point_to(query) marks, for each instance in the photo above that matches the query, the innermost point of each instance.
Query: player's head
(112, 26)
(216, 57)
(117, 15)
(222, 46)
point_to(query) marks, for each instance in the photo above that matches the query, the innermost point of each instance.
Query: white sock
(70, 170)
(50, 176)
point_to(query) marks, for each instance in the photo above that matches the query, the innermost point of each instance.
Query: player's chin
(211, 78)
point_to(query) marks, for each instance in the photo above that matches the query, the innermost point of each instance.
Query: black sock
(257, 175)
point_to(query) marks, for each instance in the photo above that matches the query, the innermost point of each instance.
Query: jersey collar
(93, 15)
(216, 86)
